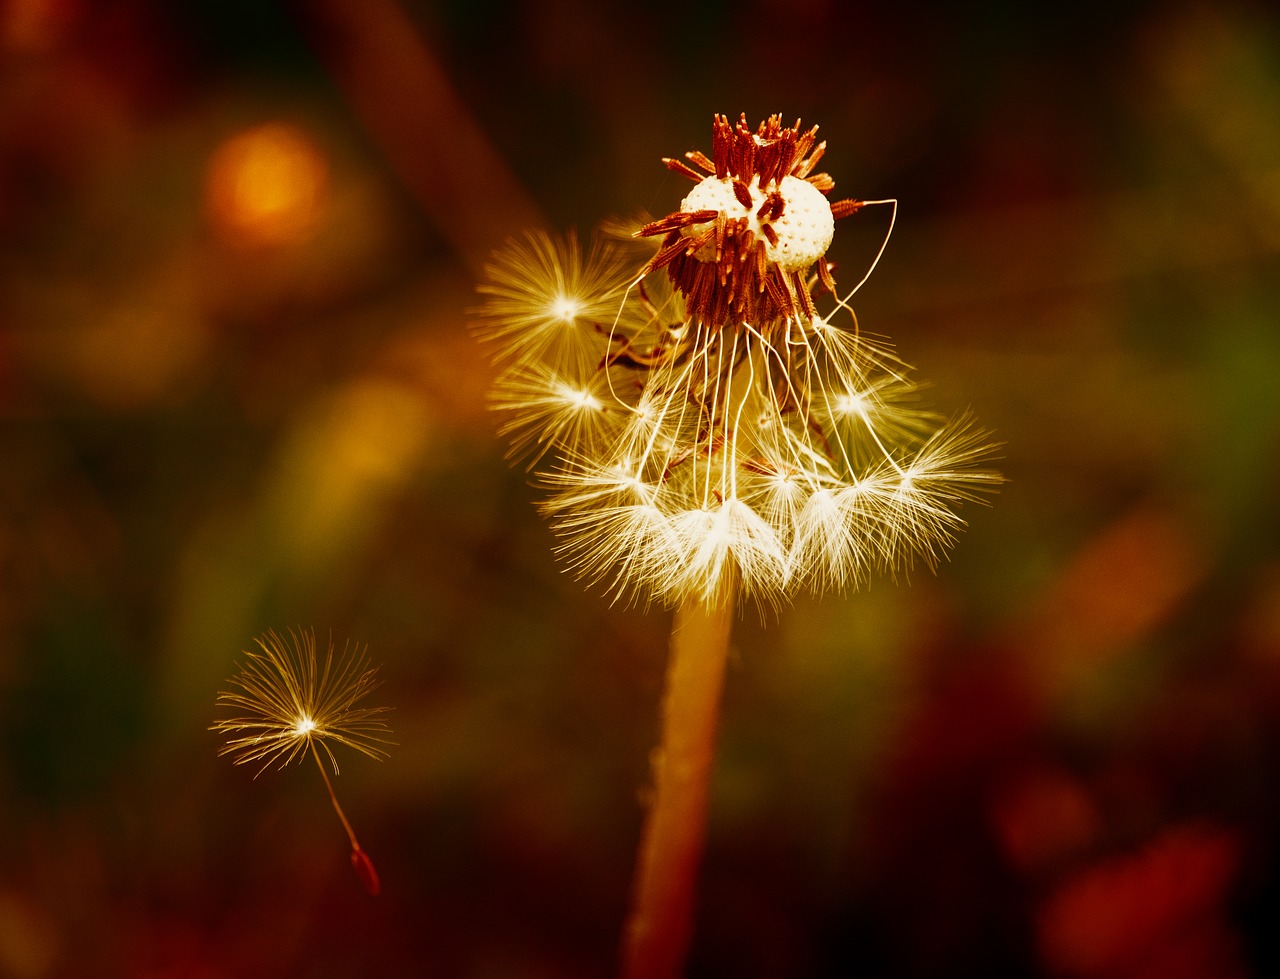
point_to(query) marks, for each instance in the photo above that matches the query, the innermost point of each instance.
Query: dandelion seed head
(703, 429)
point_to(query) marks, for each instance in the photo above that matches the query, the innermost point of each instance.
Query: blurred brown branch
(398, 90)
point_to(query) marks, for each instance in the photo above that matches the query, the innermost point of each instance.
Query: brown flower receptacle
(744, 242)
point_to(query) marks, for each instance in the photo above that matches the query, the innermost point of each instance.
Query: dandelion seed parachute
(291, 703)
(542, 293)
(700, 427)
(290, 698)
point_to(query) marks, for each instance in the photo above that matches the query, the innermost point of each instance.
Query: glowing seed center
(565, 308)
(304, 725)
(851, 404)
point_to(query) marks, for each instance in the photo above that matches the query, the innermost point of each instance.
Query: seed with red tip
(364, 867)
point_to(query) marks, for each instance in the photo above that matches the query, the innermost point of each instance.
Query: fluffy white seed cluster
(690, 461)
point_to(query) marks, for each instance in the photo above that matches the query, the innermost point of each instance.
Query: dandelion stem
(660, 925)
(351, 834)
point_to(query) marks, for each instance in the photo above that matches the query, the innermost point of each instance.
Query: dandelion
(292, 704)
(710, 432)
(711, 425)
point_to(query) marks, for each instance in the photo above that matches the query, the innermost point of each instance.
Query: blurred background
(238, 242)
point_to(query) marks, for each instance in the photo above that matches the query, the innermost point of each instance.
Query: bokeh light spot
(268, 185)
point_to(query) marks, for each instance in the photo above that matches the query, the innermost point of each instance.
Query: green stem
(660, 925)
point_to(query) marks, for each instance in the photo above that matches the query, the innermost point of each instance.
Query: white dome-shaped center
(804, 230)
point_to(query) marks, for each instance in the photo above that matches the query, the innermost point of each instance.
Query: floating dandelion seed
(709, 431)
(294, 703)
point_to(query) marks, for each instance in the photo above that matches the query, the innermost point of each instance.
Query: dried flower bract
(743, 243)
(711, 431)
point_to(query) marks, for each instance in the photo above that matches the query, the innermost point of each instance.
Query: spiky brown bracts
(743, 245)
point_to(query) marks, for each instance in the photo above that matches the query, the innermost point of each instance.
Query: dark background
(227, 406)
